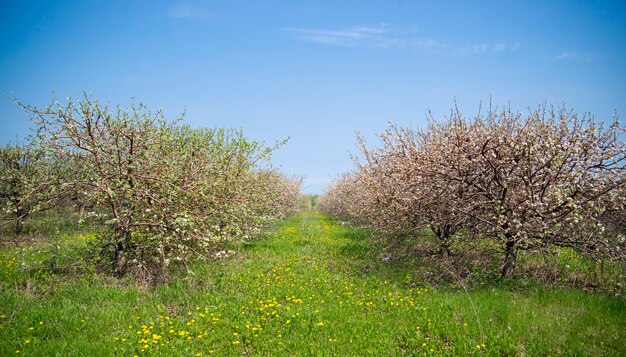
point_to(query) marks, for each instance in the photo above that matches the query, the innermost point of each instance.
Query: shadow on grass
(415, 260)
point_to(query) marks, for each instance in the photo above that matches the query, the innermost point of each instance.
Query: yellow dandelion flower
(236, 342)
(320, 324)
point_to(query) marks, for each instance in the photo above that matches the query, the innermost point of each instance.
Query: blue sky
(314, 71)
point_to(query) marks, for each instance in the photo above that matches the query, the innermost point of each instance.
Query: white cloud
(481, 48)
(577, 56)
(377, 36)
(382, 37)
(188, 11)
(485, 48)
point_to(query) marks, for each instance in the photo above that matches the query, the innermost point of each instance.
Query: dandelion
(320, 324)
(236, 342)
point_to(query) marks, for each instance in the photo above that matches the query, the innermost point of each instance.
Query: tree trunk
(19, 226)
(122, 246)
(20, 217)
(444, 248)
(443, 235)
(119, 261)
(509, 260)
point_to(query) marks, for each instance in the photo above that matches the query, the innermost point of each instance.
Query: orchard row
(163, 191)
(539, 182)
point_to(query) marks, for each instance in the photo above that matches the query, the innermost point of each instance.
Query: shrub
(166, 191)
(29, 183)
(551, 179)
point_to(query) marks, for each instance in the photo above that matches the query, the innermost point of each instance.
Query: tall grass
(312, 287)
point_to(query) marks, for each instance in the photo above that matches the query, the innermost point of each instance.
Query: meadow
(311, 286)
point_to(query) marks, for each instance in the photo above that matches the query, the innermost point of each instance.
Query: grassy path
(311, 288)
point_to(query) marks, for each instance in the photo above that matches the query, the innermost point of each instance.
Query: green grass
(313, 287)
